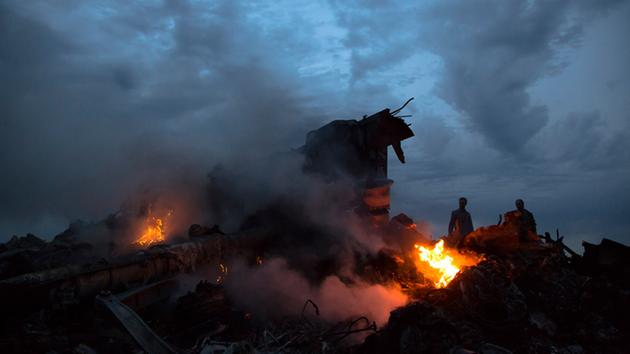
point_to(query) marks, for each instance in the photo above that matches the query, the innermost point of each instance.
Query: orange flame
(154, 231)
(442, 264)
(223, 270)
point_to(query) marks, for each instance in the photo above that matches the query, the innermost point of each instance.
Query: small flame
(223, 270)
(154, 230)
(441, 262)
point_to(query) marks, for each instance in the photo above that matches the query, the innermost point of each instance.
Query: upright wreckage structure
(358, 150)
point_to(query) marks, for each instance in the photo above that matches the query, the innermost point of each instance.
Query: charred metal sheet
(137, 328)
(356, 148)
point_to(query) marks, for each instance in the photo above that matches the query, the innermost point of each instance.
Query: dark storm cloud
(502, 41)
(492, 52)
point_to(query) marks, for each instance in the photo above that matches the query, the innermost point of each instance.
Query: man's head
(520, 205)
(462, 202)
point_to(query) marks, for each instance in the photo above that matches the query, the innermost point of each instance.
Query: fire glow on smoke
(154, 230)
(440, 265)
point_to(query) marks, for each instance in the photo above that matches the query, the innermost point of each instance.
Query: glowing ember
(443, 267)
(154, 230)
(223, 270)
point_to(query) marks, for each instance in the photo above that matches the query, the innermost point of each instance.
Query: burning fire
(223, 270)
(154, 230)
(442, 265)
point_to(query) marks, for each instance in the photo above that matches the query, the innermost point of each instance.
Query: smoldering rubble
(534, 298)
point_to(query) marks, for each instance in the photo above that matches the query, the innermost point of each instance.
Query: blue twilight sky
(514, 99)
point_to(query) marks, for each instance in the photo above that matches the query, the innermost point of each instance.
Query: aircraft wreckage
(497, 295)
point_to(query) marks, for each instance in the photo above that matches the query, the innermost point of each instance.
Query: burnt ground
(533, 298)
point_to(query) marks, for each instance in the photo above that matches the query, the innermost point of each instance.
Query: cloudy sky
(524, 99)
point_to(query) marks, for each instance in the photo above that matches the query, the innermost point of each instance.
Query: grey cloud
(433, 136)
(587, 142)
(494, 51)
(374, 35)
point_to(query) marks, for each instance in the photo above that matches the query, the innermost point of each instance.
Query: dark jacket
(461, 222)
(527, 221)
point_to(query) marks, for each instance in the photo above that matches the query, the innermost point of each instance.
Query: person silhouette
(460, 224)
(525, 220)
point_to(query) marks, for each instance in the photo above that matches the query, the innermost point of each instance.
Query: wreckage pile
(530, 299)
(533, 301)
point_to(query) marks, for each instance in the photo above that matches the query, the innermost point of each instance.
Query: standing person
(460, 224)
(525, 221)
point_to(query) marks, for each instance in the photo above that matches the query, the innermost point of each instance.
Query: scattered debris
(532, 301)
